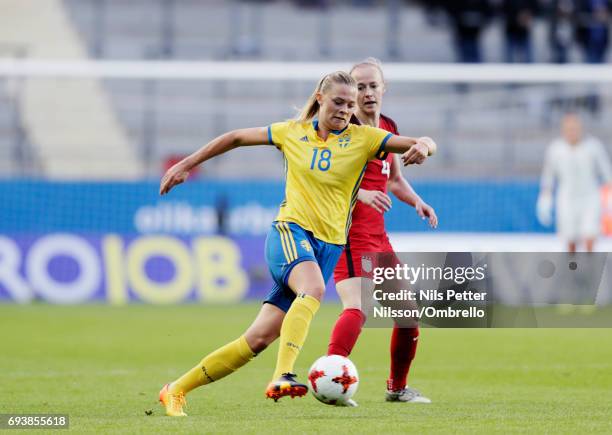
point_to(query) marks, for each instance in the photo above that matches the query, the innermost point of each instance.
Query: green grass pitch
(104, 366)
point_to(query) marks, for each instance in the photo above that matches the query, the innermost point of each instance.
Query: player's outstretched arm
(413, 150)
(179, 172)
(400, 187)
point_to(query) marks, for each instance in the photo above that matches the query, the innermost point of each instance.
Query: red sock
(345, 332)
(403, 348)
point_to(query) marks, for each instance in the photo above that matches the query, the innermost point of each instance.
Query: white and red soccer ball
(333, 379)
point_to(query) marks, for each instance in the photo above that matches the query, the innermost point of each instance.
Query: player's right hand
(379, 201)
(177, 174)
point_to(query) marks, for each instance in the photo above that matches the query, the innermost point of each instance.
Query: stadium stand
(140, 123)
(17, 158)
(68, 122)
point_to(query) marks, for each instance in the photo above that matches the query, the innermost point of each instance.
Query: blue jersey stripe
(286, 165)
(383, 143)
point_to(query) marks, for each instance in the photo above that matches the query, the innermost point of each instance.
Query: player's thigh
(265, 328)
(306, 277)
(350, 292)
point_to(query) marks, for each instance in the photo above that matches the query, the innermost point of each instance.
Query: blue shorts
(289, 244)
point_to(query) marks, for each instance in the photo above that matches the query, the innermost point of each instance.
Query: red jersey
(365, 219)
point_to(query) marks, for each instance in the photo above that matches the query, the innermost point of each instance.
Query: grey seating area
(234, 29)
(168, 118)
(6, 133)
(345, 30)
(486, 131)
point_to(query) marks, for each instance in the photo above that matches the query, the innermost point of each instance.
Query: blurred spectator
(592, 33)
(561, 13)
(363, 3)
(579, 165)
(468, 18)
(435, 12)
(518, 16)
(222, 212)
(312, 4)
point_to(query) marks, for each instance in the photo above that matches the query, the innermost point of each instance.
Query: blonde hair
(311, 108)
(370, 61)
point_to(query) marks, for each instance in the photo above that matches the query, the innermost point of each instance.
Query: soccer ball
(333, 379)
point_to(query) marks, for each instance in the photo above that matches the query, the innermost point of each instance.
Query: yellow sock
(215, 366)
(293, 332)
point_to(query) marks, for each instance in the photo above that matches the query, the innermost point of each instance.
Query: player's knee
(316, 291)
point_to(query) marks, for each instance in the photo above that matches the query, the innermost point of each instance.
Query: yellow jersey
(323, 176)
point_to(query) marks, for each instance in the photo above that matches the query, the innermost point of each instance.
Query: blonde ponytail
(311, 108)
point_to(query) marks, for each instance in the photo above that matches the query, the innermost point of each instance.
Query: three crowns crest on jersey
(344, 141)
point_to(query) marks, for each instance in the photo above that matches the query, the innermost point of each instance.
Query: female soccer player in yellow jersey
(325, 158)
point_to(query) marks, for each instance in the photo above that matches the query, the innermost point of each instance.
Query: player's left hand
(417, 153)
(427, 212)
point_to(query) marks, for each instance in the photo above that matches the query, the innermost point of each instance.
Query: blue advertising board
(75, 242)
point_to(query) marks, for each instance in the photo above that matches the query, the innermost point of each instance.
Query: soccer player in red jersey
(367, 235)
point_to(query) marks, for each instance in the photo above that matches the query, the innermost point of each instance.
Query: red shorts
(349, 264)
